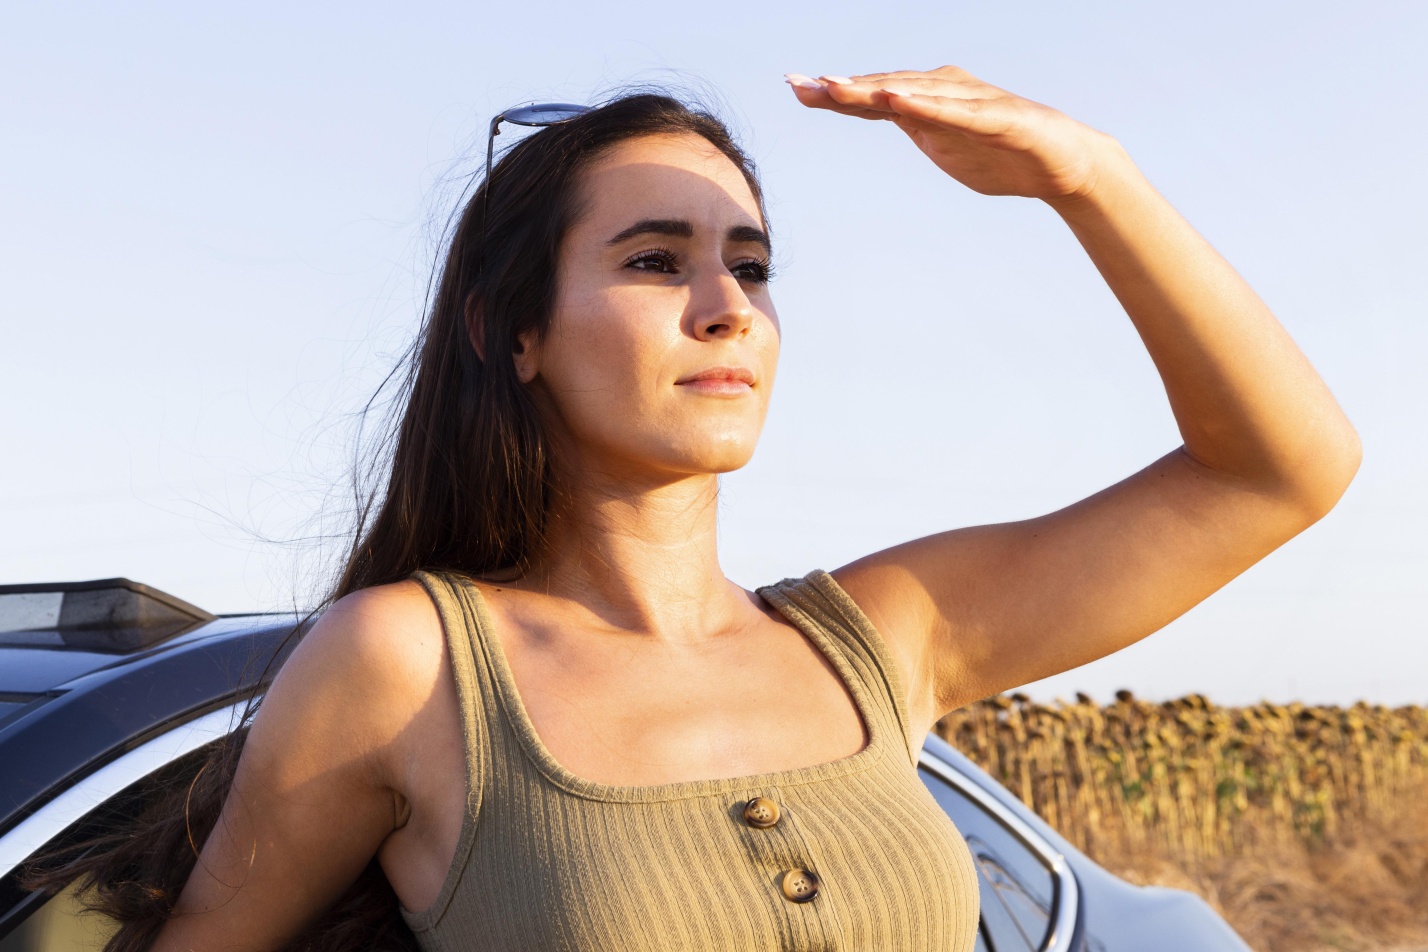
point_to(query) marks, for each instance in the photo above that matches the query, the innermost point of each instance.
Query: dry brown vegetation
(1306, 827)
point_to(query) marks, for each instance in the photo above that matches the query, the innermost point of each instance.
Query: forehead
(667, 176)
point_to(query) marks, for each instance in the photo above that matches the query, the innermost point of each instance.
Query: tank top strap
(820, 608)
(461, 623)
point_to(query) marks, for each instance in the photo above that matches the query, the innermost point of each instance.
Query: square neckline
(508, 695)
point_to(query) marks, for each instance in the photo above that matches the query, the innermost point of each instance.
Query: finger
(855, 90)
(874, 97)
(816, 96)
(978, 116)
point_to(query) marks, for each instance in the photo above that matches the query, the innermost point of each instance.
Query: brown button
(799, 885)
(761, 813)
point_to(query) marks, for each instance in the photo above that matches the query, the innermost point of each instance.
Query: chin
(722, 454)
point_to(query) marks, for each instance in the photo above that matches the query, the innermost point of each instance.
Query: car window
(31, 923)
(60, 925)
(1016, 884)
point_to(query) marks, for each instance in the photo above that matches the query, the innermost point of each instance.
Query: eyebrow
(680, 228)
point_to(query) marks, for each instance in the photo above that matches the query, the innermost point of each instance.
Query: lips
(726, 374)
(719, 381)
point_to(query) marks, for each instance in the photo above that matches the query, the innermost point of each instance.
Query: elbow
(1324, 476)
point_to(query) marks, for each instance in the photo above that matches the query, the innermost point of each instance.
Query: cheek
(609, 362)
(607, 353)
(771, 338)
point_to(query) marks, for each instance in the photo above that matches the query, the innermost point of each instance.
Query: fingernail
(837, 80)
(798, 79)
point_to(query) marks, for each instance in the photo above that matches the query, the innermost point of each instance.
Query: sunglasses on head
(537, 114)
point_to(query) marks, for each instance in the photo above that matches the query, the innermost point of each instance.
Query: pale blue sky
(216, 223)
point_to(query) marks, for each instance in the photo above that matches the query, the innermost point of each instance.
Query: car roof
(72, 698)
(52, 632)
(36, 668)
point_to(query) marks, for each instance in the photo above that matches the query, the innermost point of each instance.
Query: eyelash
(763, 268)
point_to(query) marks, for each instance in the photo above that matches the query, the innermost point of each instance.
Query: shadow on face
(663, 343)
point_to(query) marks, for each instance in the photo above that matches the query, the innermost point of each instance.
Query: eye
(755, 270)
(658, 260)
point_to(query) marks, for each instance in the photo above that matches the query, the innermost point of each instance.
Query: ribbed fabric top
(548, 861)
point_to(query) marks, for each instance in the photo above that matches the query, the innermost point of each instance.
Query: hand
(988, 139)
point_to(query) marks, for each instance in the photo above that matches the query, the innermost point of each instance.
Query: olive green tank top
(850, 855)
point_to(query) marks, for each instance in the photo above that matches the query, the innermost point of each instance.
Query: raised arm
(1266, 452)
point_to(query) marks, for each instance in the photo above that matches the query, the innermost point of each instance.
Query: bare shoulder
(888, 593)
(377, 636)
(897, 604)
(379, 633)
(372, 660)
(898, 587)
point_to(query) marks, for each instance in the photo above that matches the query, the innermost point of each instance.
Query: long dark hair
(467, 488)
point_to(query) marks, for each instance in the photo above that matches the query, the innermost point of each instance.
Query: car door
(1029, 895)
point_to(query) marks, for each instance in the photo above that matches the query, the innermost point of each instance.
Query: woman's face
(660, 354)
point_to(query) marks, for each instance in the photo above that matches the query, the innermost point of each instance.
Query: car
(106, 685)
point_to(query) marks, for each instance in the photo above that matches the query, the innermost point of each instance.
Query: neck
(643, 557)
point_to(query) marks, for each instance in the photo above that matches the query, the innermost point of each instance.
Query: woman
(571, 730)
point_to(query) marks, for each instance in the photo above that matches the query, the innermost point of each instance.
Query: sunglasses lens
(544, 114)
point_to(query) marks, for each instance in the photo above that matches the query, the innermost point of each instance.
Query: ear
(525, 354)
(475, 326)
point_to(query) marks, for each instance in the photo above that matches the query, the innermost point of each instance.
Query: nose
(720, 309)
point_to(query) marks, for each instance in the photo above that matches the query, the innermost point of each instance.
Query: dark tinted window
(1016, 886)
(60, 923)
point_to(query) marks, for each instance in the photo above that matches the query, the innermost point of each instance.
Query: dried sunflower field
(1305, 826)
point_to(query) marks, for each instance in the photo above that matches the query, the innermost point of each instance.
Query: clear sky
(217, 220)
